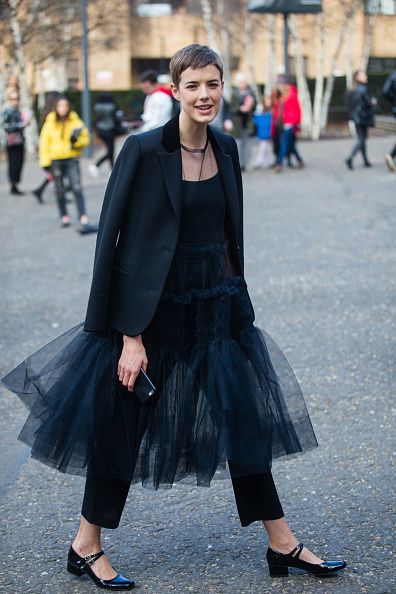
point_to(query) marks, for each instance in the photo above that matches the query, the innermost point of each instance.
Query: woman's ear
(175, 91)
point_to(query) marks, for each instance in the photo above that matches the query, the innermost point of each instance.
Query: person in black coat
(389, 91)
(169, 298)
(361, 111)
(14, 124)
(107, 125)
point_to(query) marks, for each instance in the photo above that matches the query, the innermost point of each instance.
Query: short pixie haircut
(193, 56)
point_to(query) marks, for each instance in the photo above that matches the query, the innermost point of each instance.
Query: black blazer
(139, 226)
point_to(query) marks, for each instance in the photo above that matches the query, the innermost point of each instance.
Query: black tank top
(203, 211)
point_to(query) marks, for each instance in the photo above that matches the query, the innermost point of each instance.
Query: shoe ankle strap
(90, 559)
(297, 550)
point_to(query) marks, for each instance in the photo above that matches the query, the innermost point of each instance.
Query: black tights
(256, 499)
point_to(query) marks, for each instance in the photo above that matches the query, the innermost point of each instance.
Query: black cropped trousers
(256, 499)
(104, 499)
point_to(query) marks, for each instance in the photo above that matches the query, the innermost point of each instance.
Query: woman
(108, 124)
(361, 111)
(286, 121)
(168, 296)
(62, 139)
(14, 124)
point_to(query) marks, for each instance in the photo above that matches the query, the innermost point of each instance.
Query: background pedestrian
(262, 120)
(62, 138)
(158, 106)
(14, 123)
(108, 125)
(361, 111)
(389, 91)
(243, 104)
(286, 120)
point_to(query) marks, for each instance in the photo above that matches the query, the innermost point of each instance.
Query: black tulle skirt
(226, 395)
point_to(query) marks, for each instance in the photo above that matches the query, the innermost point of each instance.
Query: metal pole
(286, 43)
(86, 103)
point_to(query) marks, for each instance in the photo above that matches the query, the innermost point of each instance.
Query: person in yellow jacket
(62, 139)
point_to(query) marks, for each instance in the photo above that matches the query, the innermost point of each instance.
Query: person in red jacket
(286, 117)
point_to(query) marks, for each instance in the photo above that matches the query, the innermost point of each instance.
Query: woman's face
(14, 100)
(62, 108)
(199, 93)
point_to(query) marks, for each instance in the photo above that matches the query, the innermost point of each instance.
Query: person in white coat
(157, 105)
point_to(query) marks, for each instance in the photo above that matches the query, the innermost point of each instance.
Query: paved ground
(321, 264)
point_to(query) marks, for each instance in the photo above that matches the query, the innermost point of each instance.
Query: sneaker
(93, 170)
(390, 162)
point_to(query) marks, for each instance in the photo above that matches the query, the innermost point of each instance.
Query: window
(72, 74)
(384, 7)
(381, 65)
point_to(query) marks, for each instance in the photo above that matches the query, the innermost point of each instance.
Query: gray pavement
(321, 266)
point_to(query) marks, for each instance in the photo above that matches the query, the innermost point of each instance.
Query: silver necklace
(195, 150)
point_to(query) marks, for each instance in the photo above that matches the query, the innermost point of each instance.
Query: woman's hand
(133, 357)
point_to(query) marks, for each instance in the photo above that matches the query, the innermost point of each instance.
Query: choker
(196, 150)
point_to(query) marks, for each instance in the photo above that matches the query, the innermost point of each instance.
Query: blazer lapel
(171, 164)
(226, 169)
(172, 172)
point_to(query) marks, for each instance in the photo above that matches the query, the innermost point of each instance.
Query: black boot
(16, 191)
(349, 163)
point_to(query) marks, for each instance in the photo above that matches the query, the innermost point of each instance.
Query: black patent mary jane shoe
(79, 565)
(278, 563)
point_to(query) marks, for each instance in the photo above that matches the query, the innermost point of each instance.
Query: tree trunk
(368, 37)
(330, 80)
(226, 51)
(271, 54)
(348, 56)
(302, 85)
(209, 24)
(248, 29)
(319, 83)
(26, 98)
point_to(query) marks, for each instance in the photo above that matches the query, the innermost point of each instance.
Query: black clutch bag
(144, 387)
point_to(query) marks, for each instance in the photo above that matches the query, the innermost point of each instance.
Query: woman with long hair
(62, 139)
(168, 379)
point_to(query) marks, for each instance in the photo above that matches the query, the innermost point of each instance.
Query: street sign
(285, 6)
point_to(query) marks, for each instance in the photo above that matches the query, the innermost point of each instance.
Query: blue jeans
(69, 168)
(288, 145)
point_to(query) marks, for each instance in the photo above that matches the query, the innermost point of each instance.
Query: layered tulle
(225, 391)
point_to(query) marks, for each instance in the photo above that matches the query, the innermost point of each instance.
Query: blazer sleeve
(118, 194)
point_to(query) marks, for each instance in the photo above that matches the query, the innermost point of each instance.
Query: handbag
(14, 138)
(144, 387)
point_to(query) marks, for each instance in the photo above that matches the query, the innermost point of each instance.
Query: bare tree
(209, 23)
(249, 34)
(303, 91)
(319, 83)
(368, 34)
(26, 98)
(49, 30)
(349, 9)
(271, 54)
